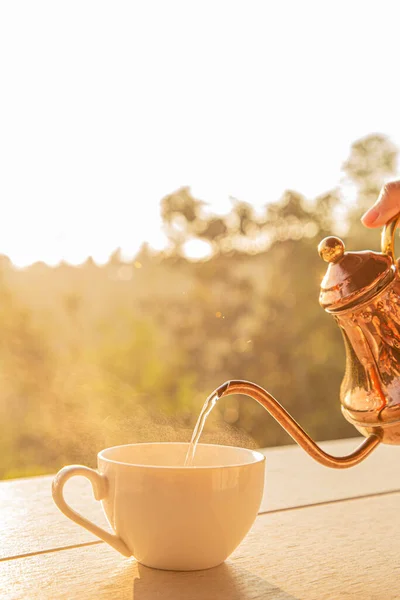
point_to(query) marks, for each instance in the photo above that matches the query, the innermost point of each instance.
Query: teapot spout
(293, 428)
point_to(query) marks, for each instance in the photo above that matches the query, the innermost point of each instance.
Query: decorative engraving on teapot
(374, 337)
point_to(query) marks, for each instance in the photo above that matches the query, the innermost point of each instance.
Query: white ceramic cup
(166, 515)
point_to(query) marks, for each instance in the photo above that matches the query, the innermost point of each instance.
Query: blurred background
(167, 171)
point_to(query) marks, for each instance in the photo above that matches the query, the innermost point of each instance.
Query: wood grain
(344, 550)
(30, 522)
(294, 479)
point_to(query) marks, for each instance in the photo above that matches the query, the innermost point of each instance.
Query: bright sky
(105, 107)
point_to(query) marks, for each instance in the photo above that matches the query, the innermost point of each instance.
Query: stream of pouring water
(198, 429)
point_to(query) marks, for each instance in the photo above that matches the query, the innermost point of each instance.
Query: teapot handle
(387, 239)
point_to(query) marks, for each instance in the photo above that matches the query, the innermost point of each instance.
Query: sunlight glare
(94, 147)
(197, 249)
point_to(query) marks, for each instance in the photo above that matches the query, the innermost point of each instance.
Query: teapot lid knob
(331, 249)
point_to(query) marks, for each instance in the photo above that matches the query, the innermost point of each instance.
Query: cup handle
(99, 484)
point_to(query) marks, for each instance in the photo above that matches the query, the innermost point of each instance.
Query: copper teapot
(361, 290)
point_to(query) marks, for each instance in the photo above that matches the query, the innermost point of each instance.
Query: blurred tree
(181, 213)
(93, 356)
(372, 161)
(324, 212)
(25, 373)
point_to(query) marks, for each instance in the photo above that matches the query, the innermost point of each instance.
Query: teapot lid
(351, 275)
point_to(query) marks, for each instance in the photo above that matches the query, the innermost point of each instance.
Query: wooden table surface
(321, 534)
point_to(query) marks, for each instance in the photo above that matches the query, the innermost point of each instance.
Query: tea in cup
(166, 515)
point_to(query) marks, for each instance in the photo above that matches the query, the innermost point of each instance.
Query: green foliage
(96, 356)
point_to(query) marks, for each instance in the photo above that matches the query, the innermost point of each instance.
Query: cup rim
(257, 455)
